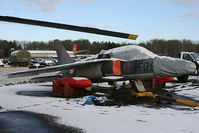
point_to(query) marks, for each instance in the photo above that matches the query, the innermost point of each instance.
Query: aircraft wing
(57, 68)
(81, 51)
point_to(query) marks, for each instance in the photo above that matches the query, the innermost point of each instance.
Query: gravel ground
(4, 80)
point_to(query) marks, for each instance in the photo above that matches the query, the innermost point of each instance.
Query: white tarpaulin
(130, 53)
(170, 67)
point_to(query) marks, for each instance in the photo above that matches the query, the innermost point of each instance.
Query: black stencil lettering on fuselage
(143, 66)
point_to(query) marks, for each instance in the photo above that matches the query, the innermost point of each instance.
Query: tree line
(159, 46)
(171, 47)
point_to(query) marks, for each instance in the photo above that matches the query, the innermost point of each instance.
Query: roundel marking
(127, 67)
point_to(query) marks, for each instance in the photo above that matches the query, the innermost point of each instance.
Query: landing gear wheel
(170, 96)
(157, 100)
(183, 78)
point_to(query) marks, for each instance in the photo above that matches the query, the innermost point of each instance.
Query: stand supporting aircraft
(123, 63)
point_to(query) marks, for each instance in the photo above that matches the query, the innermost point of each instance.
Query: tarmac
(29, 122)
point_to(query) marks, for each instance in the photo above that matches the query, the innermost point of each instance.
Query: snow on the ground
(101, 119)
(188, 89)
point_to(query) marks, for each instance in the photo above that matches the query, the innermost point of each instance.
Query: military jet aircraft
(123, 63)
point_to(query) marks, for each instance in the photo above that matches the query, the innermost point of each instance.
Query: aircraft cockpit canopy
(104, 56)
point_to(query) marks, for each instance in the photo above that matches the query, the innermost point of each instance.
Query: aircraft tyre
(157, 100)
(170, 96)
(183, 78)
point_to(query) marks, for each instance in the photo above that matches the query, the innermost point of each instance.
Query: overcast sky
(150, 19)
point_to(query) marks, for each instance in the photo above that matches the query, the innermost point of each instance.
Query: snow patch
(98, 119)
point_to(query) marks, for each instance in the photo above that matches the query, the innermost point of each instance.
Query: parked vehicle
(6, 61)
(48, 63)
(20, 58)
(40, 62)
(190, 56)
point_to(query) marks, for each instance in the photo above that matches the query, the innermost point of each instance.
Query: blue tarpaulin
(88, 100)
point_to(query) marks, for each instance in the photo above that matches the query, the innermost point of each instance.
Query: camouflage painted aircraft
(123, 63)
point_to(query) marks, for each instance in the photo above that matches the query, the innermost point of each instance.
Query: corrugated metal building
(46, 53)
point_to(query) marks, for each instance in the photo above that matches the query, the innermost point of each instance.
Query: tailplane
(74, 48)
(62, 55)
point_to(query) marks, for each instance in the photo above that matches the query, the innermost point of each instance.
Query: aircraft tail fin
(62, 55)
(74, 48)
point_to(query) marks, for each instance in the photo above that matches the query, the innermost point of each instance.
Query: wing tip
(133, 37)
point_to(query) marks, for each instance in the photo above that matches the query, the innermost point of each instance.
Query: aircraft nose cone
(190, 67)
(172, 67)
